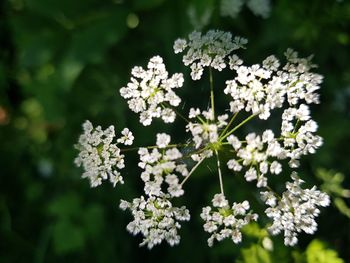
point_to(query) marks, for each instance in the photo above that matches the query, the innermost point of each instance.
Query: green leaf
(342, 207)
(317, 252)
(255, 254)
(254, 230)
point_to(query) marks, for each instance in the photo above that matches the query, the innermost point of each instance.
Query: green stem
(296, 125)
(191, 172)
(238, 126)
(229, 124)
(219, 172)
(212, 92)
(153, 147)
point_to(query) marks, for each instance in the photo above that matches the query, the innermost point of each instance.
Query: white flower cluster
(299, 139)
(150, 92)
(156, 219)
(233, 7)
(160, 166)
(295, 211)
(254, 153)
(226, 221)
(205, 128)
(100, 157)
(256, 91)
(260, 89)
(209, 50)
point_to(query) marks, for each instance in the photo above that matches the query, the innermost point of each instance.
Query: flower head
(209, 50)
(99, 156)
(156, 219)
(150, 92)
(295, 211)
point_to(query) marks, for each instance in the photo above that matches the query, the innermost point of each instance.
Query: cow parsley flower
(260, 7)
(296, 210)
(150, 92)
(205, 128)
(162, 166)
(224, 221)
(231, 8)
(156, 219)
(254, 91)
(99, 156)
(256, 153)
(209, 50)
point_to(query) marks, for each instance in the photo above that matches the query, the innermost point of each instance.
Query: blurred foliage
(62, 62)
(333, 186)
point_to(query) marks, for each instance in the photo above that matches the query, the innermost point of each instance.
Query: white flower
(219, 200)
(156, 219)
(159, 167)
(179, 45)
(100, 157)
(206, 50)
(257, 90)
(231, 7)
(150, 91)
(296, 211)
(127, 138)
(163, 140)
(227, 221)
(260, 7)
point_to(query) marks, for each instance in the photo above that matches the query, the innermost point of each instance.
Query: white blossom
(296, 211)
(156, 219)
(162, 166)
(260, 7)
(99, 156)
(254, 91)
(127, 138)
(209, 50)
(231, 7)
(150, 92)
(224, 221)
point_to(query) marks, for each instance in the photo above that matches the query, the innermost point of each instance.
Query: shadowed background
(62, 62)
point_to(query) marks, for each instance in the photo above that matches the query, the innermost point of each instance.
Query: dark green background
(63, 61)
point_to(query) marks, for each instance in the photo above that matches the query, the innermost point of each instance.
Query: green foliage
(62, 62)
(317, 252)
(255, 254)
(333, 186)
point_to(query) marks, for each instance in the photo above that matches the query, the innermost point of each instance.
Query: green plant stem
(238, 126)
(219, 172)
(191, 172)
(212, 91)
(229, 124)
(153, 147)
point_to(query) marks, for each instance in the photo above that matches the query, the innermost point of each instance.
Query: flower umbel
(150, 92)
(156, 219)
(226, 221)
(252, 92)
(296, 211)
(99, 156)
